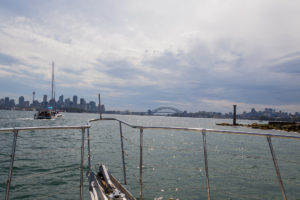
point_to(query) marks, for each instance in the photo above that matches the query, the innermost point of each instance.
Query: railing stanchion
(141, 164)
(81, 164)
(276, 168)
(89, 149)
(123, 157)
(89, 156)
(11, 164)
(206, 163)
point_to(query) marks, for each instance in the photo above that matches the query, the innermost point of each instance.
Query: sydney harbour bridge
(164, 110)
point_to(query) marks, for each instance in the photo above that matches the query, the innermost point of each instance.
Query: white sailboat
(49, 113)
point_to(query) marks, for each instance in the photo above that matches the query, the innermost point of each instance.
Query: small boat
(47, 114)
(43, 114)
(57, 114)
(104, 186)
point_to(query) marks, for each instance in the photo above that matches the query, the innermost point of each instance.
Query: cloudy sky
(193, 55)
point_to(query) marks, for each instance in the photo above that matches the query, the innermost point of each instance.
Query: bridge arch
(162, 108)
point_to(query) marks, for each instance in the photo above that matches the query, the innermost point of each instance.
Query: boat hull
(47, 114)
(104, 186)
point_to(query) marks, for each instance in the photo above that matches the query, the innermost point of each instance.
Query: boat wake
(24, 119)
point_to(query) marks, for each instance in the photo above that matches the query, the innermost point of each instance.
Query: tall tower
(52, 92)
(33, 94)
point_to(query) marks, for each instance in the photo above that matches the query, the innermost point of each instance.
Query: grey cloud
(291, 66)
(165, 60)
(119, 68)
(197, 57)
(71, 71)
(244, 82)
(8, 60)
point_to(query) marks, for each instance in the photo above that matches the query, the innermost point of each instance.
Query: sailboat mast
(52, 93)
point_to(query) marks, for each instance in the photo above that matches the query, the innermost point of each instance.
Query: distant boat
(44, 114)
(49, 113)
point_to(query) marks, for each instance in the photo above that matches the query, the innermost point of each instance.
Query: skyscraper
(6, 101)
(82, 101)
(75, 100)
(21, 101)
(83, 104)
(67, 102)
(60, 100)
(12, 103)
(92, 106)
(45, 98)
(45, 102)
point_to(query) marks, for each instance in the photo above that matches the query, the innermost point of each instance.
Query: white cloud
(221, 50)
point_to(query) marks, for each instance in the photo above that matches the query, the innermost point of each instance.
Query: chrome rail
(276, 168)
(123, 157)
(11, 164)
(141, 163)
(81, 164)
(203, 131)
(206, 164)
(16, 131)
(5, 130)
(199, 129)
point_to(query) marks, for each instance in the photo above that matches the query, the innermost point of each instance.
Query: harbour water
(47, 163)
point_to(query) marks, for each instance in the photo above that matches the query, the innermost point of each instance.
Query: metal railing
(16, 131)
(268, 136)
(141, 129)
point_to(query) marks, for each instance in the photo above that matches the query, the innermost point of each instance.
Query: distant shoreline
(283, 126)
(200, 114)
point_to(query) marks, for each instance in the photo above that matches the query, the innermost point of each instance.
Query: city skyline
(74, 100)
(196, 55)
(73, 104)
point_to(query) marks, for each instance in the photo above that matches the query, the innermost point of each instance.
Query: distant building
(6, 101)
(61, 100)
(35, 104)
(45, 98)
(253, 111)
(52, 103)
(26, 104)
(83, 104)
(82, 101)
(2, 102)
(12, 103)
(75, 100)
(92, 106)
(21, 102)
(102, 108)
(45, 102)
(269, 110)
(67, 103)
